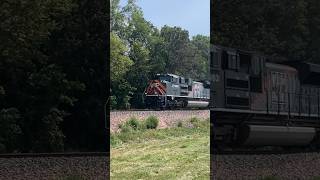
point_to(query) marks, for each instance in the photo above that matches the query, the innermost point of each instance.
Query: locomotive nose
(155, 87)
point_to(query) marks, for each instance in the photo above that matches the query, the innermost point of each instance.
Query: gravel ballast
(166, 118)
(280, 166)
(54, 168)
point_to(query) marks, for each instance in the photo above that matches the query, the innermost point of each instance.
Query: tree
(138, 36)
(263, 26)
(120, 64)
(177, 42)
(52, 72)
(201, 67)
(10, 130)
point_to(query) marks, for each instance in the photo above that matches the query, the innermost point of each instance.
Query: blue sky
(192, 15)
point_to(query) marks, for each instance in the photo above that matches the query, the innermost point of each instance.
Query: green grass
(176, 153)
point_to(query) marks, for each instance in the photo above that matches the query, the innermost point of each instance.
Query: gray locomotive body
(258, 103)
(172, 91)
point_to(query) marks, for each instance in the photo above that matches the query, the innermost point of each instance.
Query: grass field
(175, 153)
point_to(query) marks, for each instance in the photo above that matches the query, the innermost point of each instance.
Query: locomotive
(169, 91)
(257, 103)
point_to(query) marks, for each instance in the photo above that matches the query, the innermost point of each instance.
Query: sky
(191, 15)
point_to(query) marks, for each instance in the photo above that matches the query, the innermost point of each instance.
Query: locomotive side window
(165, 78)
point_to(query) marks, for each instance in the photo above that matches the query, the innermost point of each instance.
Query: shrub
(151, 122)
(114, 140)
(133, 122)
(180, 124)
(113, 102)
(195, 122)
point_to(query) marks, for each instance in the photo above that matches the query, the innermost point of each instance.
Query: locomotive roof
(173, 75)
(280, 67)
(168, 74)
(309, 73)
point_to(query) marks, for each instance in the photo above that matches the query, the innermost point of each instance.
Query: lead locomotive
(169, 91)
(258, 103)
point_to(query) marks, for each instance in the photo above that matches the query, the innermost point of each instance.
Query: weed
(151, 122)
(195, 122)
(133, 122)
(130, 125)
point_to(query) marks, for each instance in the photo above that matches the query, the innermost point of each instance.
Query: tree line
(139, 50)
(284, 30)
(52, 75)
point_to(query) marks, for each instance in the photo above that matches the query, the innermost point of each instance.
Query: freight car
(169, 91)
(255, 102)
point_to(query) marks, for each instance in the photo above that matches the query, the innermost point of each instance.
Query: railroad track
(69, 154)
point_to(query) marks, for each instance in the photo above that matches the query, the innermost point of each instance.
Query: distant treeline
(286, 29)
(139, 50)
(52, 75)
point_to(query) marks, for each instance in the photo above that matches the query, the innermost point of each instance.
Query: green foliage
(180, 124)
(131, 124)
(151, 122)
(10, 130)
(151, 50)
(182, 149)
(143, 134)
(196, 122)
(263, 26)
(113, 102)
(50, 134)
(119, 63)
(52, 58)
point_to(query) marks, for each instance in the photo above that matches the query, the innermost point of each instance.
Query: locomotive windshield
(164, 78)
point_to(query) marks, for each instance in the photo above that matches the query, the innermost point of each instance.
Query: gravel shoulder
(284, 166)
(54, 168)
(166, 118)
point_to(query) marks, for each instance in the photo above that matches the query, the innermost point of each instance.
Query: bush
(195, 122)
(180, 124)
(113, 102)
(132, 124)
(151, 122)
(114, 140)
